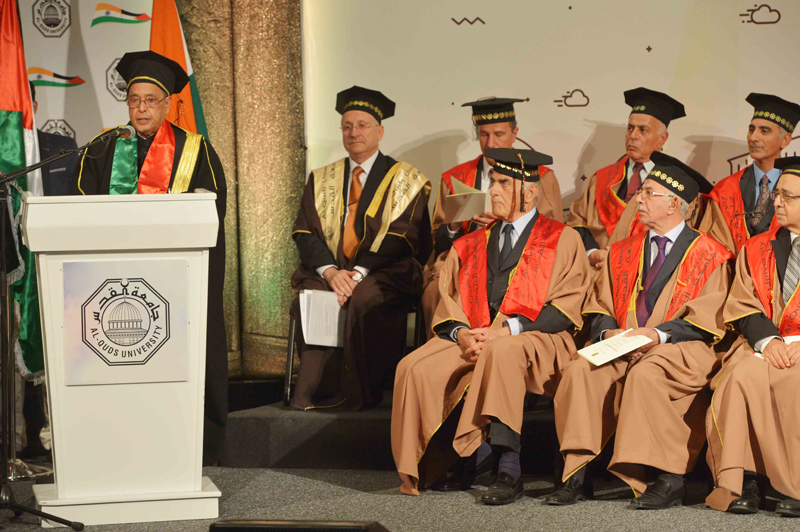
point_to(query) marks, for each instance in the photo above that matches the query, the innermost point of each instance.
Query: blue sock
(509, 463)
(483, 452)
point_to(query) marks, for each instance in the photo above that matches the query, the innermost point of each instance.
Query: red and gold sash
(528, 282)
(761, 261)
(728, 195)
(157, 168)
(626, 257)
(609, 205)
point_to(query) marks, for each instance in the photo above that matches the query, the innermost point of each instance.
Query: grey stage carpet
(375, 496)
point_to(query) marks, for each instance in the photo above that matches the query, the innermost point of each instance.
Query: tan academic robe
(659, 419)
(431, 381)
(754, 410)
(548, 205)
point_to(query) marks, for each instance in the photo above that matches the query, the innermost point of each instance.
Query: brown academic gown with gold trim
(375, 327)
(754, 422)
(659, 419)
(549, 205)
(431, 381)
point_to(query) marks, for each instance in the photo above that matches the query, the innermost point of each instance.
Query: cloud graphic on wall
(576, 98)
(762, 14)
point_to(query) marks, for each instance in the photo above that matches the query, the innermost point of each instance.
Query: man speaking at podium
(165, 159)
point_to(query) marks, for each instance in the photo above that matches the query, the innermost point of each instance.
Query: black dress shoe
(660, 496)
(749, 501)
(504, 490)
(788, 508)
(466, 475)
(571, 492)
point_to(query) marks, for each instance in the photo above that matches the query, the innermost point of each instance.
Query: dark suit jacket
(56, 177)
(756, 327)
(681, 330)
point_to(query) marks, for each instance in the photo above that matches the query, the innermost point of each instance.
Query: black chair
(418, 339)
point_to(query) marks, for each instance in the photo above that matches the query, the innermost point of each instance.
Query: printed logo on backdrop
(51, 17)
(114, 82)
(110, 13)
(575, 98)
(58, 127)
(125, 322)
(761, 14)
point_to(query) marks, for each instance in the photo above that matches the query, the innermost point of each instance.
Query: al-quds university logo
(51, 17)
(58, 126)
(114, 82)
(125, 322)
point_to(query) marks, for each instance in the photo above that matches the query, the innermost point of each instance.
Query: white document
(322, 318)
(787, 339)
(612, 348)
(464, 203)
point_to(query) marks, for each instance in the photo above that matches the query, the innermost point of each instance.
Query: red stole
(728, 195)
(625, 260)
(529, 281)
(466, 173)
(761, 261)
(157, 167)
(609, 205)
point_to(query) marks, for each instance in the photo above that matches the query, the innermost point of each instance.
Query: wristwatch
(358, 276)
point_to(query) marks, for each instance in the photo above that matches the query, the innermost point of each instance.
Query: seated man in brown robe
(605, 213)
(510, 295)
(495, 121)
(740, 207)
(669, 284)
(363, 231)
(755, 406)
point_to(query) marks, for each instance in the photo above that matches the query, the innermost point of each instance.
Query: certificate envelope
(612, 348)
(464, 203)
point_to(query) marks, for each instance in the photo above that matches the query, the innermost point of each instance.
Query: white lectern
(123, 283)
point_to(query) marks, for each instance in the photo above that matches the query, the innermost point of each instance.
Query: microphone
(123, 132)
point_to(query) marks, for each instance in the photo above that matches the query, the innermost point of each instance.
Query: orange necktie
(350, 242)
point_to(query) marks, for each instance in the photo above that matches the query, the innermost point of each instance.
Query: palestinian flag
(166, 38)
(18, 149)
(109, 13)
(44, 78)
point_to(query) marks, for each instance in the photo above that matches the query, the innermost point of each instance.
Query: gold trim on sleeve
(187, 163)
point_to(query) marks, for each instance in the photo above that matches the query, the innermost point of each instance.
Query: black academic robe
(93, 176)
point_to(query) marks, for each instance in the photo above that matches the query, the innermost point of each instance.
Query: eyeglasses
(650, 193)
(358, 128)
(787, 198)
(151, 101)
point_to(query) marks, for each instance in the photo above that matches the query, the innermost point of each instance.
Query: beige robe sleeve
(438, 210)
(583, 213)
(449, 308)
(571, 277)
(714, 224)
(550, 203)
(743, 300)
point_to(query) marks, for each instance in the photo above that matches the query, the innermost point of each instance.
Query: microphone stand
(7, 421)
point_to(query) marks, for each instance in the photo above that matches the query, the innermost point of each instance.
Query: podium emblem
(125, 322)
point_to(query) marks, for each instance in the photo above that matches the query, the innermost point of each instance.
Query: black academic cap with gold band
(492, 110)
(511, 161)
(788, 165)
(654, 103)
(150, 67)
(682, 180)
(777, 110)
(360, 99)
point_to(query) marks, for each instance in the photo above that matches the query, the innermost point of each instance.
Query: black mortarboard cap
(150, 67)
(360, 99)
(777, 110)
(654, 103)
(510, 162)
(492, 110)
(684, 181)
(788, 165)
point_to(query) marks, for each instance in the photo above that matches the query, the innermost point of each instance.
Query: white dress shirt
(367, 167)
(648, 167)
(761, 344)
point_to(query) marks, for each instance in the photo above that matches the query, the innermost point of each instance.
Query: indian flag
(44, 78)
(166, 38)
(110, 13)
(18, 149)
